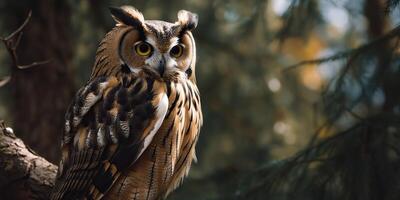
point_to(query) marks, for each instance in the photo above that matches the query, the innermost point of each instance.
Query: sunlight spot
(274, 85)
(329, 70)
(231, 16)
(281, 127)
(378, 98)
(311, 78)
(336, 16)
(280, 6)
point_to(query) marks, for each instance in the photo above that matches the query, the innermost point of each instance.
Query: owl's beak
(161, 66)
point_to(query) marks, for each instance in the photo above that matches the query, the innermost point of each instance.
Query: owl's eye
(176, 51)
(143, 49)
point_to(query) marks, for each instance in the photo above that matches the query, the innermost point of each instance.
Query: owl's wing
(108, 126)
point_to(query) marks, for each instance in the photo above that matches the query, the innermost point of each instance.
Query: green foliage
(361, 160)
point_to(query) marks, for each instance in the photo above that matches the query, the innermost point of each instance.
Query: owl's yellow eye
(176, 51)
(143, 49)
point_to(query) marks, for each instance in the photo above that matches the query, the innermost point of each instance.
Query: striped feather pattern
(131, 131)
(167, 160)
(104, 150)
(109, 123)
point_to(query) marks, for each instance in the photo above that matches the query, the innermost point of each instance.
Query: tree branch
(23, 170)
(11, 43)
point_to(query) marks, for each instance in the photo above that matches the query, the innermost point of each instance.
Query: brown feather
(130, 132)
(164, 164)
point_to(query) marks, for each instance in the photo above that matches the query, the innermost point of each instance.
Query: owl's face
(157, 47)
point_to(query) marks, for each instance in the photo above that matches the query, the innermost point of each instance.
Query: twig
(4, 80)
(391, 5)
(337, 56)
(345, 54)
(19, 29)
(33, 64)
(11, 43)
(353, 114)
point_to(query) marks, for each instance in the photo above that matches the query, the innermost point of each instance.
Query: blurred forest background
(301, 97)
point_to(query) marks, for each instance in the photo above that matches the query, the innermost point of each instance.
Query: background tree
(40, 95)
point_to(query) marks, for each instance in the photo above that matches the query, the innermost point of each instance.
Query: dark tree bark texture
(41, 94)
(23, 174)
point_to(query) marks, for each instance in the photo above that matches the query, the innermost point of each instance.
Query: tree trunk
(41, 94)
(377, 26)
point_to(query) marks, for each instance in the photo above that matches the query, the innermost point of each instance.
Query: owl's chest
(171, 150)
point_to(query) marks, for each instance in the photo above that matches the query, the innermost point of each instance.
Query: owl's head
(137, 45)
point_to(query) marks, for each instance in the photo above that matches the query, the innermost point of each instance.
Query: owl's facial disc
(163, 58)
(162, 47)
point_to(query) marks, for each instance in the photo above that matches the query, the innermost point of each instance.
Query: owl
(131, 131)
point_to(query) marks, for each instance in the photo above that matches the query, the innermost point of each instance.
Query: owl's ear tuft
(127, 15)
(187, 20)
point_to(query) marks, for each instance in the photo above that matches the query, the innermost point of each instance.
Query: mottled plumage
(131, 131)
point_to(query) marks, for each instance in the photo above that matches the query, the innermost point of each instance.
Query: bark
(41, 95)
(23, 174)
